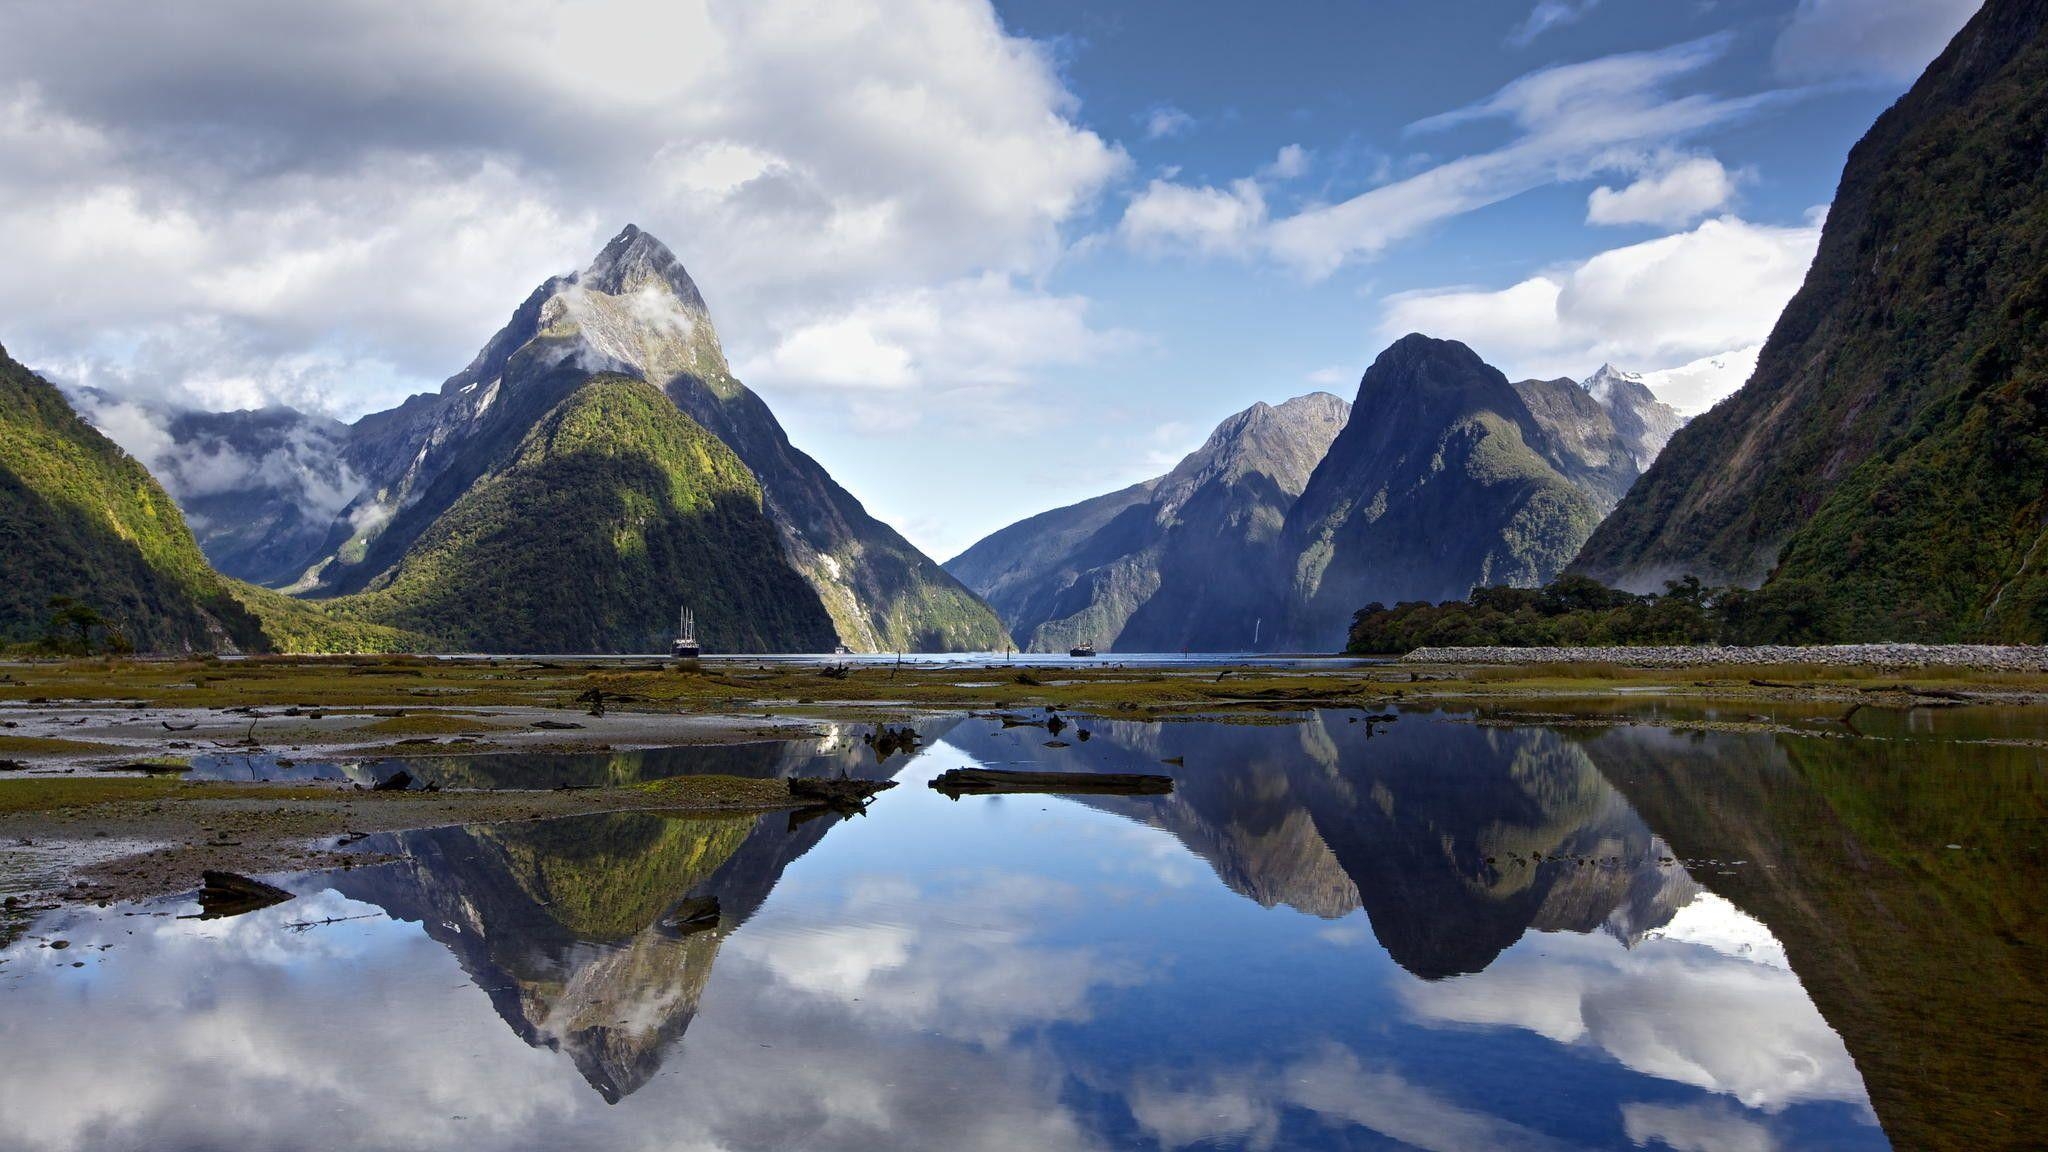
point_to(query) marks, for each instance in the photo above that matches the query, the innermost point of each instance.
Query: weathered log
(960, 782)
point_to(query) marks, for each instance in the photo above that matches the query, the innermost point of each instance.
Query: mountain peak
(634, 258)
(1603, 381)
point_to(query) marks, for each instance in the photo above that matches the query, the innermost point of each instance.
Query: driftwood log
(960, 782)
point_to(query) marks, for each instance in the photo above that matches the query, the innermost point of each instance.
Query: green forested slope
(1884, 474)
(613, 511)
(80, 519)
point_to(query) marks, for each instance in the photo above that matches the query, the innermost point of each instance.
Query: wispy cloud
(1549, 14)
(1163, 120)
(1573, 121)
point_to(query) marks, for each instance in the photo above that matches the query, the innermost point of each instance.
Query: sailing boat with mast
(685, 647)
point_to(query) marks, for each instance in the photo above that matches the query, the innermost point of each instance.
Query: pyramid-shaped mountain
(489, 449)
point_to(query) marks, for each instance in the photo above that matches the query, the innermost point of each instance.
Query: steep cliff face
(1182, 561)
(1886, 468)
(82, 520)
(1446, 477)
(635, 312)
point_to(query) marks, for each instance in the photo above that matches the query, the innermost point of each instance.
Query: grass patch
(51, 746)
(717, 791)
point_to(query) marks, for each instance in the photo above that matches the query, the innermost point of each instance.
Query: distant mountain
(80, 518)
(1177, 562)
(1447, 477)
(612, 508)
(1645, 423)
(1884, 474)
(634, 312)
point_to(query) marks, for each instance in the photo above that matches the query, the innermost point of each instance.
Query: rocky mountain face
(635, 312)
(1177, 562)
(1645, 423)
(1446, 477)
(81, 519)
(1443, 476)
(1884, 474)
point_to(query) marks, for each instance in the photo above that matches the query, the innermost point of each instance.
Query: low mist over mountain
(259, 488)
(1177, 562)
(80, 519)
(1884, 475)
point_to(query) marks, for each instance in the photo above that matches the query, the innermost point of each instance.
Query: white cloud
(1646, 306)
(1573, 121)
(1291, 164)
(1165, 120)
(1694, 1128)
(1331, 376)
(1682, 192)
(968, 335)
(378, 187)
(1883, 41)
(1203, 219)
(1691, 1013)
(1550, 14)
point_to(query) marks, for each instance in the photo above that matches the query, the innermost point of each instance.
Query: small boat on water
(685, 647)
(1085, 648)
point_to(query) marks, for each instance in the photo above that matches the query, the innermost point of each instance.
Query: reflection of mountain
(1434, 829)
(1905, 882)
(562, 922)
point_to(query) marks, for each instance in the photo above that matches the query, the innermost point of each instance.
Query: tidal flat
(128, 778)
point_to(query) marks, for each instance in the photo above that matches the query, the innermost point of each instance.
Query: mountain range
(598, 443)
(1882, 475)
(1442, 476)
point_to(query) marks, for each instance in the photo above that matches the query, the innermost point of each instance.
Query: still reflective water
(1436, 935)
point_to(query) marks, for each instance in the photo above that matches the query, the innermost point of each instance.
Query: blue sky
(981, 261)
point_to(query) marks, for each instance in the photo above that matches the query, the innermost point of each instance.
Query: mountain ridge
(1880, 476)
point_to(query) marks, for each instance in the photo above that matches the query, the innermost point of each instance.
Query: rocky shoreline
(1973, 657)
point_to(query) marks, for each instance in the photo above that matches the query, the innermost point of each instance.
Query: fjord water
(1436, 934)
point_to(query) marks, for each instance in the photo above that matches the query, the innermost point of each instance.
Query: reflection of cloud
(1233, 1106)
(1694, 1128)
(367, 1035)
(1690, 1013)
(1337, 1086)
(1243, 1107)
(981, 980)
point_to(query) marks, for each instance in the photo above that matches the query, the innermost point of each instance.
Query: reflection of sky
(994, 973)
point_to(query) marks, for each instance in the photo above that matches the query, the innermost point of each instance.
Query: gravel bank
(1979, 657)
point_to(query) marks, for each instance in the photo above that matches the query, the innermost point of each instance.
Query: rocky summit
(1446, 477)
